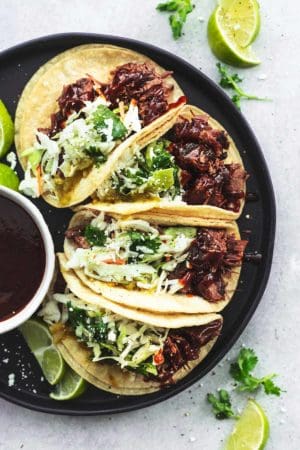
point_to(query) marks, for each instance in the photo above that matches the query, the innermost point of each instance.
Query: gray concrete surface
(185, 421)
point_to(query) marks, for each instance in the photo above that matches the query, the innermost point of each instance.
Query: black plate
(16, 67)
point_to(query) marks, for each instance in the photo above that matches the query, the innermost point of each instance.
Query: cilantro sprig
(179, 9)
(221, 405)
(241, 372)
(94, 236)
(231, 81)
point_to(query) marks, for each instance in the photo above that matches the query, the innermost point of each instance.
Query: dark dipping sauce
(22, 258)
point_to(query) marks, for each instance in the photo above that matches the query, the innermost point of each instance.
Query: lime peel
(225, 42)
(8, 177)
(251, 431)
(6, 130)
(70, 386)
(39, 340)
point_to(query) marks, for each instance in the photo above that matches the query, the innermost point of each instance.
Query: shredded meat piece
(141, 83)
(199, 151)
(212, 254)
(75, 235)
(72, 100)
(183, 345)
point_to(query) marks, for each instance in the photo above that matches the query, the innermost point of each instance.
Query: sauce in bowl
(22, 258)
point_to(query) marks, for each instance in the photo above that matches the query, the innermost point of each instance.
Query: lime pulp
(6, 130)
(70, 386)
(39, 340)
(8, 177)
(251, 431)
(232, 27)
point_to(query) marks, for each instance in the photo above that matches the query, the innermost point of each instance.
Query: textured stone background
(185, 421)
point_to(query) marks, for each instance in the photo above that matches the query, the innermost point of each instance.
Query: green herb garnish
(139, 239)
(96, 155)
(241, 372)
(94, 236)
(88, 328)
(221, 405)
(179, 9)
(230, 81)
(100, 118)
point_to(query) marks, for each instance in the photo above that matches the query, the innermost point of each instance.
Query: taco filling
(92, 120)
(156, 353)
(136, 255)
(188, 166)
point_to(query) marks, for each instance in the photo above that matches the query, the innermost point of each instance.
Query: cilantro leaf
(142, 239)
(221, 405)
(247, 360)
(231, 81)
(96, 155)
(100, 118)
(180, 10)
(94, 236)
(241, 372)
(270, 387)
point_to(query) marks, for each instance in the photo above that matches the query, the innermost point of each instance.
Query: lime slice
(39, 340)
(8, 177)
(233, 25)
(240, 20)
(6, 130)
(71, 386)
(251, 431)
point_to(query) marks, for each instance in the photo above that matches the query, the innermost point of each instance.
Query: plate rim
(166, 394)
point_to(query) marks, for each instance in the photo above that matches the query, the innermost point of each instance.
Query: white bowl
(34, 303)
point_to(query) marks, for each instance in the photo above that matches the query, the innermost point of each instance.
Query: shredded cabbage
(129, 343)
(135, 254)
(87, 139)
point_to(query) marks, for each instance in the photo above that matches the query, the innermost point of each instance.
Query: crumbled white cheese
(131, 119)
(262, 77)
(29, 186)
(112, 336)
(50, 312)
(11, 379)
(12, 160)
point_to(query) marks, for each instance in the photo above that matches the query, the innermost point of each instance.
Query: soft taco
(155, 262)
(78, 108)
(193, 168)
(128, 353)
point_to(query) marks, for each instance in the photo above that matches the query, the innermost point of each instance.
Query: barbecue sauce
(22, 258)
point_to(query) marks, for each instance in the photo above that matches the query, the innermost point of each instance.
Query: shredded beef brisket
(143, 84)
(212, 254)
(131, 81)
(75, 234)
(72, 100)
(199, 151)
(183, 345)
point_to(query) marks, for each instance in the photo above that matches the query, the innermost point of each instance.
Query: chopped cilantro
(94, 236)
(93, 328)
(141, 239)
(96, 155)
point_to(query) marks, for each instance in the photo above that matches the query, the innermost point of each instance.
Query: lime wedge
(39, 340)
(8, 177)
(71, 386)
(6, 130)
(251, 431)
(233, 25)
